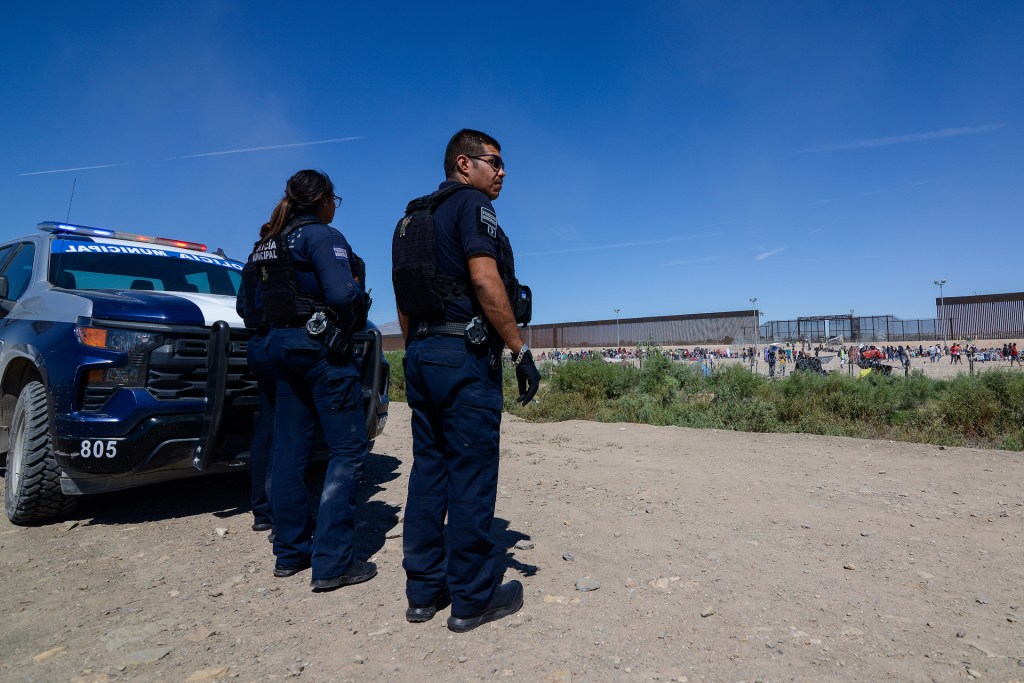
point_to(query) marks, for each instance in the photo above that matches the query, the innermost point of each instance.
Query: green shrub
(986, 409)
(982, 410)
(971, 408)
(657, 381)
(751, 415)
(733, 383)
(691, 379)
(593, 378)
(396, 379)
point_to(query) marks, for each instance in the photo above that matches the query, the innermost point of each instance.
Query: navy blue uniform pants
(456, 405)
(258, 357)
(315, 386)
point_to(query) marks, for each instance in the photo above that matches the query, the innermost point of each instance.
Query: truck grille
(178, 370)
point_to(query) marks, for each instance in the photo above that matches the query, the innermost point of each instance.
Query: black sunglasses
(337, 201)
(496, 162)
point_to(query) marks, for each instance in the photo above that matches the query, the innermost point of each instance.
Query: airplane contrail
(67, 170)
(204, 154)
(767, 254)
(261, 149)
(903, 139)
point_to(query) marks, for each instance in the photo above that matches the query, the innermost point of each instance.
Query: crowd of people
(634, 354)
(955, 352)
(779, 356)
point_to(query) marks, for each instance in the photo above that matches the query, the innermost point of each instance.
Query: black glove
(528, 377)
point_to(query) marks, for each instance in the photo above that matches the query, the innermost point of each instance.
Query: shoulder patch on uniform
(488, 222)
(341, 253)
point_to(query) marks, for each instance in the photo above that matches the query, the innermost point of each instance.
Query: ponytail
(304, 193)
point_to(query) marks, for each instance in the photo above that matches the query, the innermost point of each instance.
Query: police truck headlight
(135, 345)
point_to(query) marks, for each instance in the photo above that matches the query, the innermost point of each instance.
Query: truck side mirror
(3, 287)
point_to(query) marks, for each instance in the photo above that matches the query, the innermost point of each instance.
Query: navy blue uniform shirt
(463, 228)
(322, 258)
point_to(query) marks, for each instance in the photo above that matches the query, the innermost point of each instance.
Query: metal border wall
(669, 330)
(991, 316)
(988, 316)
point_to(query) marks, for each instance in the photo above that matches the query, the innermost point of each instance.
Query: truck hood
(169, 308)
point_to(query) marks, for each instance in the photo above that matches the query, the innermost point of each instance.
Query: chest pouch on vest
(421, 290)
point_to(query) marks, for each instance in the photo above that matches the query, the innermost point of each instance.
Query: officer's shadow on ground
(374, 518)
(506, 539)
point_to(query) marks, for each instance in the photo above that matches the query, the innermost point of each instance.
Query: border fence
(850, 328)
(987, 316)
(668, 330)
(982, 316)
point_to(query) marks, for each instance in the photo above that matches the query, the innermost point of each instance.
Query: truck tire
(32, 484)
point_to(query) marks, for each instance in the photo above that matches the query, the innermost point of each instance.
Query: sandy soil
(719, 556)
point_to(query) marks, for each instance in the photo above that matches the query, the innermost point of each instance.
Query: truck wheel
(32, 485)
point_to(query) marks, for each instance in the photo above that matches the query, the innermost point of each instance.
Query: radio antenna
(75, 182)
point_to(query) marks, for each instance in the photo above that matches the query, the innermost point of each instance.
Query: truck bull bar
(216, 383)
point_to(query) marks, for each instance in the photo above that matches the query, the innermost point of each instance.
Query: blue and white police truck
(122, 363)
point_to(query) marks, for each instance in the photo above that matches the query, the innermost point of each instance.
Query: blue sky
(663, 157)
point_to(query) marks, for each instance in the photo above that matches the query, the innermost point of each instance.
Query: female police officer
(311, 286)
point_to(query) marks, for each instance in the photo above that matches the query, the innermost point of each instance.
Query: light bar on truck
(71, 229)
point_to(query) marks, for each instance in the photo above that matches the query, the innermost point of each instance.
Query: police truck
(123, 363)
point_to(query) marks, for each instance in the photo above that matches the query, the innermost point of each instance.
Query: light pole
(618, 337)
(757, 320)
(942, 310)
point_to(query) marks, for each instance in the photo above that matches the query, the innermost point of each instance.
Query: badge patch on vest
(265, 252)
(488, 222)
(341, 253)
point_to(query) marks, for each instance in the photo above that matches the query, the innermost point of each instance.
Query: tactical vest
(283, 302)
(421, 289)
(253, 316)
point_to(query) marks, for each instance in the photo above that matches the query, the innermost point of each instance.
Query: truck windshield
(81, 264)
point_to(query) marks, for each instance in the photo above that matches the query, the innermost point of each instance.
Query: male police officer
(458, 303)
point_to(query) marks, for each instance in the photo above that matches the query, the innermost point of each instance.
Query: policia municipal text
(302, 289)
(459, 304)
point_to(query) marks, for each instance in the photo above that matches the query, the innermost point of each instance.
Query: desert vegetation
(980, 410)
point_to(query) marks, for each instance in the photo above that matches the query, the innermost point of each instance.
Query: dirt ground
(717, 556)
